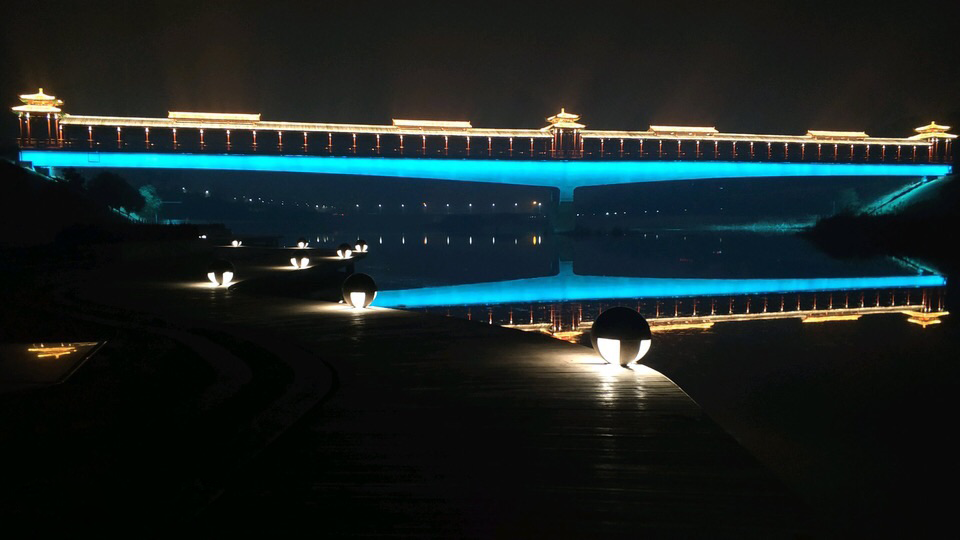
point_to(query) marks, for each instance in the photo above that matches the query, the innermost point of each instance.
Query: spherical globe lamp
(621, 336)
(359, 290)
(220, 273)
(236, 243)
(345, 251)
(301, 262)
(302, 243)
(360, 247)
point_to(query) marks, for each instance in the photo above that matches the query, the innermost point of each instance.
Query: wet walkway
(433, 426)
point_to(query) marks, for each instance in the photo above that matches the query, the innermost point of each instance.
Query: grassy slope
(925, 230)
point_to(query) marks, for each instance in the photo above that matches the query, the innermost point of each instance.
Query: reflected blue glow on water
(565, 175)
(567, 286)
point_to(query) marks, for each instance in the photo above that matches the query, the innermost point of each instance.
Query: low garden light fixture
(621, 336)
(345, 251)
(236, 243)
(299, 263)
(302, 243)
(220, 273)
(360, 247)
(359, 290)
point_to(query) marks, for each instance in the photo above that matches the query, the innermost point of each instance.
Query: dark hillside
(35, 209)
(926, 230)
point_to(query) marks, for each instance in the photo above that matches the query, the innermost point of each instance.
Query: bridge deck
(564, 175)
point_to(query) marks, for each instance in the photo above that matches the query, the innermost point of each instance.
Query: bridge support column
(564, 218)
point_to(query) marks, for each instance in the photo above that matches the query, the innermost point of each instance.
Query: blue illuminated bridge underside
(567, 287)
(564, 175)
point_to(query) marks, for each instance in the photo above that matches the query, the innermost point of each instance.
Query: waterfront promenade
(394, 423)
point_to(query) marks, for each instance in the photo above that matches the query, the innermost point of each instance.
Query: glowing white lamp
(621, 336)
(345, 251)
(360, 247)
(302, 262)
(302, 243)
(236, 243)
(220, 273)
(359, 290)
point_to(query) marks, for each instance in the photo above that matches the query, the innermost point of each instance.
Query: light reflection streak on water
(566, 287)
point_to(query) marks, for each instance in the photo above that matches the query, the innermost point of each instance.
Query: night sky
(774, 67)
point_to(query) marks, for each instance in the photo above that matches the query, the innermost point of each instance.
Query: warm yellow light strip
(829, 318)
(454, 128)
(915, 140)
(431, 123)
(667, 326)
(683, 130)
(56, 352)
(572, 336)
(812, 315)
(372, 129)
(31, 108)
(820, 134)
(704, 322)
(216, 117)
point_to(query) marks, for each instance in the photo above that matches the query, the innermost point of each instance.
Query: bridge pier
(564, 218)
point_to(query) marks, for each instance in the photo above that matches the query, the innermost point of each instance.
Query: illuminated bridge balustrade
(42, 124)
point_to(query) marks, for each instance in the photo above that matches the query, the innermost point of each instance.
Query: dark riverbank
(485, 431)
(922, 231)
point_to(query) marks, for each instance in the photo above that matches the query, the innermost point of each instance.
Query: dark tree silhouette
(74, 179)
(115, 191)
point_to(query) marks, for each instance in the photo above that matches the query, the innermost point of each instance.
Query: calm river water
(818, 368)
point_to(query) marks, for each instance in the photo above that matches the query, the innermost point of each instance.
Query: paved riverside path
(442, 427)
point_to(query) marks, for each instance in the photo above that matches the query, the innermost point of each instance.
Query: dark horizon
(774, 67)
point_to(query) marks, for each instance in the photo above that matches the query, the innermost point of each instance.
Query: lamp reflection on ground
(46, 351)
(32, 364)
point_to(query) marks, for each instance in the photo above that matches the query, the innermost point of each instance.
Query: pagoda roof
(933, 127)
(565, 115)
(33, 99)
(563, 119)
(38, 103)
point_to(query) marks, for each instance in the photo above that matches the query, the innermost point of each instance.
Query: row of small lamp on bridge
(620, 335)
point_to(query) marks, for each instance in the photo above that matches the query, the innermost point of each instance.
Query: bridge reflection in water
(565, 305)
